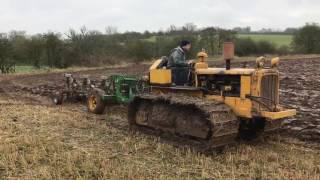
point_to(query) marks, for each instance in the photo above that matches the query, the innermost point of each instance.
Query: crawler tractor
(215, 105)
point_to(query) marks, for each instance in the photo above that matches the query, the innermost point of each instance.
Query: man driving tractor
(178, 64)
(177, 57)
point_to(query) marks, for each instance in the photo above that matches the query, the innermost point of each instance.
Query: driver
(178, 64)
(177, 57)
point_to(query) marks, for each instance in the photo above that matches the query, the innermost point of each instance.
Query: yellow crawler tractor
(216, 105)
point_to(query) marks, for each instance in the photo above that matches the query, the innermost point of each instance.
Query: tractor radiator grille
(270, 90)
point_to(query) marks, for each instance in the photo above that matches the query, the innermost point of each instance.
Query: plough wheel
(95, 103)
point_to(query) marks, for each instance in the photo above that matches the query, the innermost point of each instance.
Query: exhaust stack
(228, 53)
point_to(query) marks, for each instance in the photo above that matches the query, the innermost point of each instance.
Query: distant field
(28, 69)
(277, 39)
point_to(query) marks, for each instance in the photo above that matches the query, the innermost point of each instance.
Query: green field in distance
(277, 39)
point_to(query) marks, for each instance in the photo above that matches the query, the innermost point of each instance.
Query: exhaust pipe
(228, 53)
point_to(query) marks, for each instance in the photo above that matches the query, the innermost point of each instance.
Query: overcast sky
(37, 16)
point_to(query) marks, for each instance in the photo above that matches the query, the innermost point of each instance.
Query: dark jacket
(177, 58)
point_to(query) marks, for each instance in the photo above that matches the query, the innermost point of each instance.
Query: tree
(189, 28)
(18, 41)
(265, 47)
(140, 50)
(172, 28)
(244, 30)
(6, 54)
(225, 36)
(290, 30)
(212, 39)
(163, 46)
(283, 50)
(53, 45)
(35, 50)
(307, 39)
(209, 40)
(245, 47)
(111, 30)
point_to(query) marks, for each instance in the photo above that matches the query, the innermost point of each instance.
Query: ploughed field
(41, 140)
(300, 89)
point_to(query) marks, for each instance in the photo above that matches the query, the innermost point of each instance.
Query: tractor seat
(164, 63)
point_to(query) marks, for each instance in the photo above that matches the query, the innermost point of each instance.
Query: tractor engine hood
(222, 71)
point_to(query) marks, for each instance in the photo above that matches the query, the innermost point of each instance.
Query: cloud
(36, 16)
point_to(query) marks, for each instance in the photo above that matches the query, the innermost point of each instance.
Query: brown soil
(300, 89)
(43, 141)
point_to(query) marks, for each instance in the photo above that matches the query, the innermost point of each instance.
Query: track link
(210, 122)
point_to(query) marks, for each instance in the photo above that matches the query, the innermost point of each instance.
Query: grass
(40, 142)
(277, 39)
(151, 39)
(28, 69)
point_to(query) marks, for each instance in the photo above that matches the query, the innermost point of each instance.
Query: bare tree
(111, 30)
(172, 28)
(189, 27)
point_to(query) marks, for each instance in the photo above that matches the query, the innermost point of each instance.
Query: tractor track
(223, 125)
(211, 123)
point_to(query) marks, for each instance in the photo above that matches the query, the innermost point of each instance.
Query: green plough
(114, 90)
